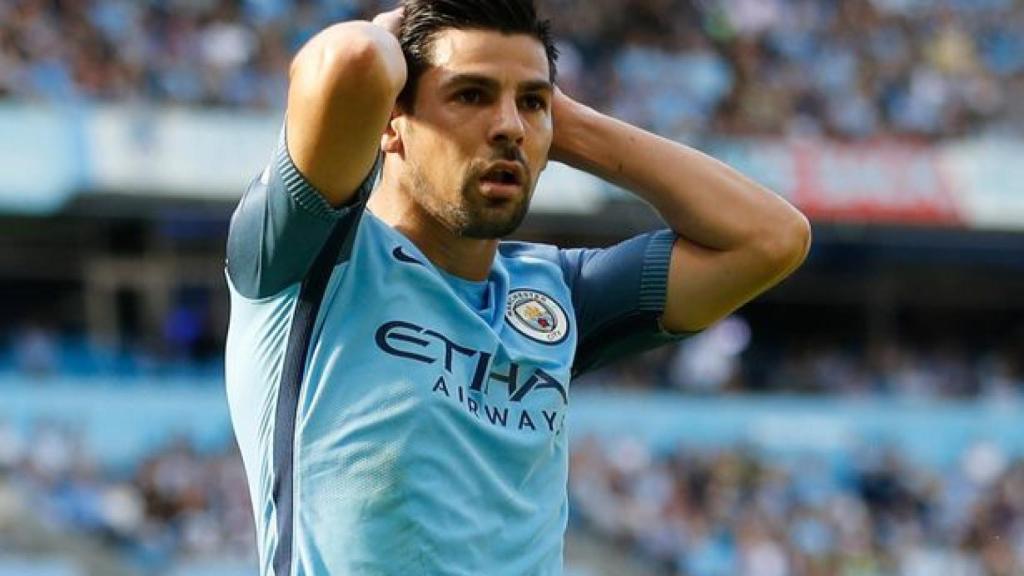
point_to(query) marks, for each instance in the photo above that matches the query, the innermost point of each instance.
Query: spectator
(851, 69)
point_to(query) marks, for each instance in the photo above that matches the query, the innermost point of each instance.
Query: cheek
(459, 131)
(435, 153)
(449, 145)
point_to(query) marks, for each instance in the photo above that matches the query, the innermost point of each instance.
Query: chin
(493, 228)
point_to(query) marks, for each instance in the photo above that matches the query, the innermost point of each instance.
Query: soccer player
(398, 376)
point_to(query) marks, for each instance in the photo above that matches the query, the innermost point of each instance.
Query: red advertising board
(878, 182)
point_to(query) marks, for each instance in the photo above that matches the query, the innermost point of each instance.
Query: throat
(469, 259)
(466, 258)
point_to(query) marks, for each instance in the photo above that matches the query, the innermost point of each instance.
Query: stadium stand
(746, 495)
(857, 420)
(733, 512)
(849, 69)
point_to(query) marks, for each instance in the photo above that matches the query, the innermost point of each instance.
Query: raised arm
(735, 240)
(344, 83)
(343, 86)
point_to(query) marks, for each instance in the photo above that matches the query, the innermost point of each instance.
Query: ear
(391, 139)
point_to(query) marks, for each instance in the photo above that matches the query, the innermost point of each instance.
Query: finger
(390, 20)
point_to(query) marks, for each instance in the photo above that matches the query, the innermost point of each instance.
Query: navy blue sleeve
(619, 296)
(280, 226)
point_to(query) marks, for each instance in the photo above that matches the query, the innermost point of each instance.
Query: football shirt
(395, 419)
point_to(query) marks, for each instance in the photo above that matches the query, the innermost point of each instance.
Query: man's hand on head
(390, 20)
(565, 113)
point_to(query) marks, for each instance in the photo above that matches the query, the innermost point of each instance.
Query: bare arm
(736, 238)
(343, 85)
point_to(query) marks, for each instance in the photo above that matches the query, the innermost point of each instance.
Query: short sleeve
(281, 224)
(619, 296)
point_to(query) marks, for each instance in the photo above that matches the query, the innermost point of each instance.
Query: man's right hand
(390, 20)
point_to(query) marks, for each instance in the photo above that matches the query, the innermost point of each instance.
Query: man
(398, 377)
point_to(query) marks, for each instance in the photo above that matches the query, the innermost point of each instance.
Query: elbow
(787, 244)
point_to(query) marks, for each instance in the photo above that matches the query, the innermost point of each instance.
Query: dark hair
(424, 19)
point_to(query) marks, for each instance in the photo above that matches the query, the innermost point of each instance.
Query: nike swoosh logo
(401, 256)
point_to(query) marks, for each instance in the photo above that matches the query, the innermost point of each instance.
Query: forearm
(701, 199)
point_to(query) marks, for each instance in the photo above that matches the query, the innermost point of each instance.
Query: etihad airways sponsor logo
(415, 343)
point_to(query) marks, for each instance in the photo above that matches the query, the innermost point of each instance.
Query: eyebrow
(492, 84)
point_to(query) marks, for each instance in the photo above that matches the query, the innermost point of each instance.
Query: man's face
(480, 132)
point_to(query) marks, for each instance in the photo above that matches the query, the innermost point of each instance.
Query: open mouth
(502, 175)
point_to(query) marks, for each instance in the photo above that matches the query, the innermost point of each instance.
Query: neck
(468, 258)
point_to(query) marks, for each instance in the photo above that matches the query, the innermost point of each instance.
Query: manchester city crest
(536, 316)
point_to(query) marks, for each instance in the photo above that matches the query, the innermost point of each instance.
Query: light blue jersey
(394, 419)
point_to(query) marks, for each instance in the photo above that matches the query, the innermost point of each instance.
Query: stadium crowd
(734, 512)
(726, 359)
(685, 68)
(695, 512)
(176, 504)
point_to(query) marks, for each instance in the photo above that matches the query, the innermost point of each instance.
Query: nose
(507, 126)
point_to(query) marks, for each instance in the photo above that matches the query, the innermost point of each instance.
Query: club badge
(536, 316)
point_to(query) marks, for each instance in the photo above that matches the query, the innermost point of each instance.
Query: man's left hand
(564, 111)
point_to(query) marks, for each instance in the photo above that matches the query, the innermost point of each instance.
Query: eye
(535, 102)
(470, 96)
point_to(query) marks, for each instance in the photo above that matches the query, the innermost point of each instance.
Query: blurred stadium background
(862, 419)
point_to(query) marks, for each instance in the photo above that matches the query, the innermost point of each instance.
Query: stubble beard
(472, 215)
